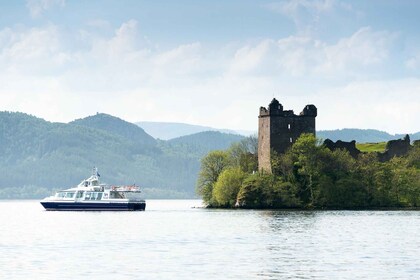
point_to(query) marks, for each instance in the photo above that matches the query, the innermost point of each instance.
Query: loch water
(175, 239)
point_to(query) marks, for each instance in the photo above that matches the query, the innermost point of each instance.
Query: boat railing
(132, 188)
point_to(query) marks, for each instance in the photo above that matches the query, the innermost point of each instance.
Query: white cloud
(38, 7)
(121, 74)
(298, 56)
(388, 105)
(35, 51)
(249, 58)
(413, 63)
(363, 48)
(292, 7)
(306, 14)
(184, 59)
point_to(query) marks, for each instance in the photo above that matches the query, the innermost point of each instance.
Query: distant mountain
(169, 130)
(204, 142)
(116, 126)
(40, 155)
(362, 135)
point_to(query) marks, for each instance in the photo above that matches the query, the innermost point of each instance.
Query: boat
(91, 195)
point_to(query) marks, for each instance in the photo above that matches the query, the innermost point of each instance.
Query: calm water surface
(172, 240)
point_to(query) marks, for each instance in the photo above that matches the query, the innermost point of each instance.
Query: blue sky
(213, 62)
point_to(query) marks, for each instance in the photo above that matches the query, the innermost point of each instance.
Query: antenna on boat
(95, 172)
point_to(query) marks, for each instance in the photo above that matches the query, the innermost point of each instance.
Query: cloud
(306, 14)
(388, 105)
(292, 7)
(299, 56)
(413, 63)
(123, 74)
(184, 59)
(33, 51)
(249, 58)
(364, 48)
(312, 17)
(38, 7)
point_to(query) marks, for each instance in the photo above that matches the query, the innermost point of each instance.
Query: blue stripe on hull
(88, 206)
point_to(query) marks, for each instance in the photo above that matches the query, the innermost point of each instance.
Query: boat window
(95, 183)
(116, 195)
(99, 196)
(61, 194)
(93, 196)
(79, 194)
(70, 195)
(88, 195)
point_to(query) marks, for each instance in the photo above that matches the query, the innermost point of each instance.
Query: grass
(371, 147)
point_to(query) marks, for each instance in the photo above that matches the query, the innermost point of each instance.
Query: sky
(215, 62)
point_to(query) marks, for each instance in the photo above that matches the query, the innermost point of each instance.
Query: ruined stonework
(349, 146)
(396, 148)
(278, 129)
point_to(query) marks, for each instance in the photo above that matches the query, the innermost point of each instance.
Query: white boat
(91, 195)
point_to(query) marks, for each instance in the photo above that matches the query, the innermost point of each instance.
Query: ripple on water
(173, 240)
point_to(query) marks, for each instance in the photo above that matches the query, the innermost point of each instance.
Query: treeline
(309, 176)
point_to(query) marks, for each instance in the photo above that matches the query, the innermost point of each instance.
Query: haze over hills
(172, 130)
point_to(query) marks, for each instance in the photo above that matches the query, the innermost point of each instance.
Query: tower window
(291, 140)
(288, 126)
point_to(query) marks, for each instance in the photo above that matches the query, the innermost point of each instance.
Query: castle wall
(285, 131)
(349, 146)
(264, 155)
(279, 129)
(396, 148)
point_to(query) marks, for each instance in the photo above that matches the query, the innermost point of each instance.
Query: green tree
(306, 156)
(267, 191)
(226, 188)
(211, 167)
(244, 154)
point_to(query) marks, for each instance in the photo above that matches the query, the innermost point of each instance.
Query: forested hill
(42, 156)
(117, 126)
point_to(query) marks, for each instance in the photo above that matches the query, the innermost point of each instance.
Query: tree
(267, 191)
(306, 156)
(211, 167)
(226, 188)
(244, 154)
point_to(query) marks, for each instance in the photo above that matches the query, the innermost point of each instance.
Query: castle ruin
(278, 129)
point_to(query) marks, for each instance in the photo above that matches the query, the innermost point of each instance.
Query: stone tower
(278, 129)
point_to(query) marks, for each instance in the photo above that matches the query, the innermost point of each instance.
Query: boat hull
(93, 206)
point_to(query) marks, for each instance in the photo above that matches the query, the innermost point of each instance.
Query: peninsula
(288, 167)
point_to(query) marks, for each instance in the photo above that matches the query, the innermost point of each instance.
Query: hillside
(42, 155)
(117, 126)
(203, 142)
(169, 130)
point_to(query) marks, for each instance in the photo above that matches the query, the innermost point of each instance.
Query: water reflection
(339, 244)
